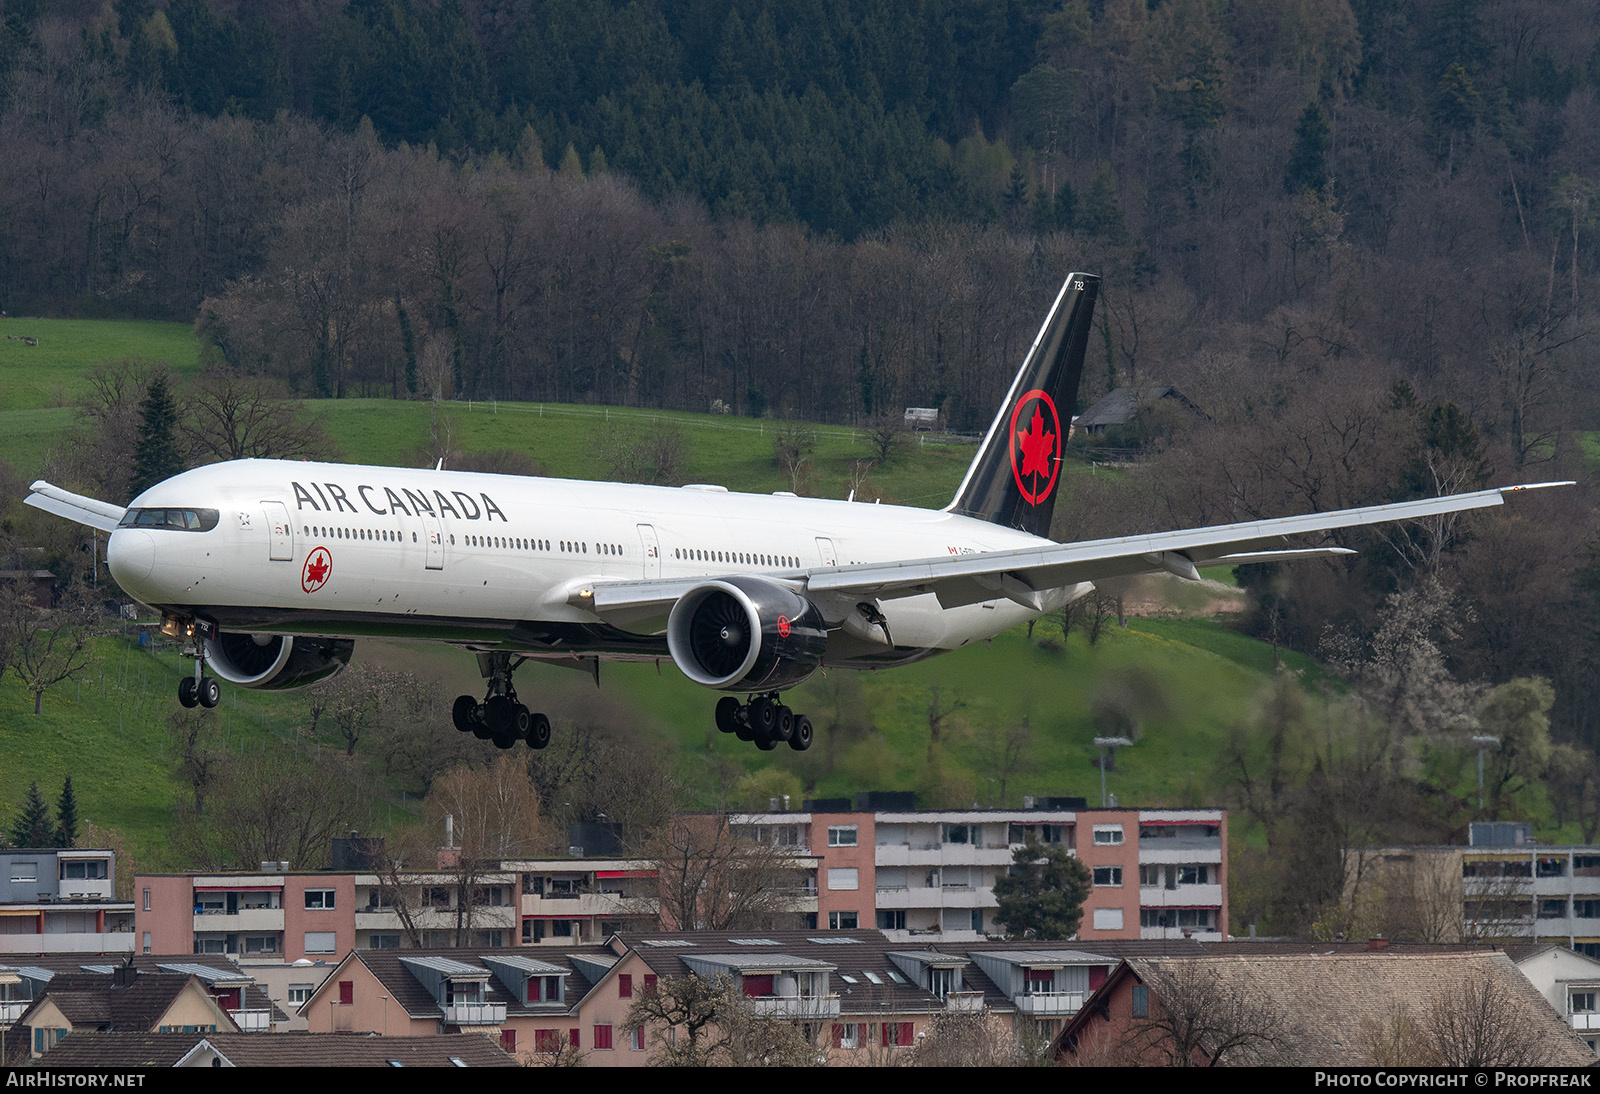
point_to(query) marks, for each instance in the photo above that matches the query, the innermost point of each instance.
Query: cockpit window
(182, 520)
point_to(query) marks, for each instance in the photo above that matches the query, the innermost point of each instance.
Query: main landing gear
(765, 722)
(199, 689)
(500, 717)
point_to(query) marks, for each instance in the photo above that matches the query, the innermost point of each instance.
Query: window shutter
(572, 1037)
(624, 986)
(905, 1033)
(649, 983)
(838, 1034)
(347, 991)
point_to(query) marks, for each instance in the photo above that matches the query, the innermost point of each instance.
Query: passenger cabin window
(182, 520)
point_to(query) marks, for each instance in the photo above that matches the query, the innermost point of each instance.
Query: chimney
(1377, 945)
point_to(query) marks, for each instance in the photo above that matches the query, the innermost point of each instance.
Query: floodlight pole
(1108, 746)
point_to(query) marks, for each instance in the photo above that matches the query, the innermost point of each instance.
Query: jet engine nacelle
(746, 634)
(275, 661)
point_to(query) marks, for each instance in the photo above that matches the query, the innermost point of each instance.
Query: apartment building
(1503, 886)
(915, 874)
(59, 900)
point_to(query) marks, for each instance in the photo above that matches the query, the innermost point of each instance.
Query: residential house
(1335, 1009)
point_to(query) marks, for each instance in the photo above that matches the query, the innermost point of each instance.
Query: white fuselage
(491, 561)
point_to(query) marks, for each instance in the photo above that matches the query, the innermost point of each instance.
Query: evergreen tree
(32, 828)
(1042, 896)
(1308, 161)
(67, 816)
(157, 458)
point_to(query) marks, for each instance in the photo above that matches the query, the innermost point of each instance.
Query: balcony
(794, 1006)
(1585, 1023)
(1198, 934)
(1050, 1004)
(941, 854)
(68, 942)
(964, 1002)
(252, 1021)
(1184, 896)
(11, 1011)
(475, 1014)
(585, 905)
(244, 921)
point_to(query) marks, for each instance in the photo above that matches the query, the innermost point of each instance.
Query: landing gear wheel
(210, 692)
(745, 732)
(538, 731)
(188, 693)
(800, 739)
(766, 743)
(499, 715)
(728, 708)
(481, 731)
(521, 721)
(783, 724)
(763, 716)
(465, 713)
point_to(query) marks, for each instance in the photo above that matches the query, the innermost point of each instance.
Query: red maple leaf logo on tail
(1038, 445)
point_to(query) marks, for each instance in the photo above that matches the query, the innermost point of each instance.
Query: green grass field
(55, 371)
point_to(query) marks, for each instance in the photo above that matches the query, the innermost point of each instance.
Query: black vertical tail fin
(1017, 472)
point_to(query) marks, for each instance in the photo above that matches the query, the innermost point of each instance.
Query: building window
(300, 993)
(638, 1039)
(842, 921)
(846, 1035)
(1553, 909)
(843, 880)
(1141, 1001)
(1108, 919)
(897, 1033)
(147, 900)
(383, 942)
(960, 833)
(624, 986)
(977, 920)
(649, 983)
(321, 899)
(547, 1041)
(1108, 833)
(842, 837)
(602, 1037)
(1193, 875)
(891, 919)
(24, 872)
(1038, 981)
(266, 943)
(1582, 1002)
(508, 1040)
(347, 992)
(1108, 875)
(147, 942)
(321, 942)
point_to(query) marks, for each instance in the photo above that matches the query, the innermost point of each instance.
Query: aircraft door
(830, 557)
(651, 550)
(433, 534)
(281, 531)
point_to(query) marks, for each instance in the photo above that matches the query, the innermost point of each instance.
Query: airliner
(270, 570)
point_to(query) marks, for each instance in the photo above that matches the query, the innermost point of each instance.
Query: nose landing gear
(199, 689)
(500, 717)
(764, 722)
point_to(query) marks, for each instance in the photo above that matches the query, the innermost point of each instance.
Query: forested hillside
(1358, 236)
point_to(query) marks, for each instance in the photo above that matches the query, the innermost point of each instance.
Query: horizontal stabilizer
(64, 503)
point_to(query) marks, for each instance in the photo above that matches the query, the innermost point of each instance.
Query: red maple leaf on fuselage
(1038, 445)
(317, 571)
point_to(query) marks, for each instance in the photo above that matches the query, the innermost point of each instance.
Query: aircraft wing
(1023, 574)
(64, 503)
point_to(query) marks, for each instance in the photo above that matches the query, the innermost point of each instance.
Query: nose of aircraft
(131, 555)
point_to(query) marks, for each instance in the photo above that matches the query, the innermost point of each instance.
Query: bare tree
(1478, 1025)
(232, 416)
(714, 880)
(1199, 1019)
(43, 646)
(496, 810)
(697, 1021)
(956, 1039)
(264, 809)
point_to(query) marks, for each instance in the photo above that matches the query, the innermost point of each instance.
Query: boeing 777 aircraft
(271, 569)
